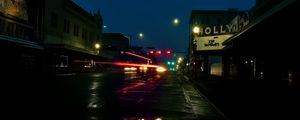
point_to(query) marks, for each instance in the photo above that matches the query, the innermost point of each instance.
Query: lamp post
(191, 62)
(97, 47)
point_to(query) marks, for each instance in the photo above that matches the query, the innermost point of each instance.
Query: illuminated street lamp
(196, 30)
(176, 21)
(141, 35)
(97, 46)
(179, 60)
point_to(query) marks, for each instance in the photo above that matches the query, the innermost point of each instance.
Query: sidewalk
(200, 105)
(240, 101)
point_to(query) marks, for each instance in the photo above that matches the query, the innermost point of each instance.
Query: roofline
(81, 10)
(112, 33)
(212, 12)
(261, 18)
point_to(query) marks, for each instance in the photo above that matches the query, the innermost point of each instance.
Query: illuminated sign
(211, 42)
(215, 30)
(16, 8)
(235, 25)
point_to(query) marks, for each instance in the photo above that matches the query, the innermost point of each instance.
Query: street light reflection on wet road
(129, 95)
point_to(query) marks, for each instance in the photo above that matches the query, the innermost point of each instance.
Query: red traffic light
(151, 52)
(168, 52)
(158, 52)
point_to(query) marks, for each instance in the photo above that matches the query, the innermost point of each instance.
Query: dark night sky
(154, 18)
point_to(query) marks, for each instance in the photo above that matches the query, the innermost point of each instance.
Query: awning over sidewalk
(20, 42)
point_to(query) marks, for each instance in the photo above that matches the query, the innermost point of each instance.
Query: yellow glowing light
(130, 68)
(143, 68)
(158, 119)
(161, 69)
(97, 46)
(133, 68)
(196, 29)
(126, 69)
(179, 60)
(157, 76)
(141, 35)
(176, 21)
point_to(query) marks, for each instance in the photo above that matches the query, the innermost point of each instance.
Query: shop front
(265, 54)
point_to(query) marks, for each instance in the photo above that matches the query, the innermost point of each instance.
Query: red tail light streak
(158, 68)
(121, 64)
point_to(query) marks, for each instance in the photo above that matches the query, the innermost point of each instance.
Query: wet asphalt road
(123, 96)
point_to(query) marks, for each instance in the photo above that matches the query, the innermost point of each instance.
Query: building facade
(208, 30)
(20, 41)
(59, 31)
(264, 53)
(70, 34)
(113, 44)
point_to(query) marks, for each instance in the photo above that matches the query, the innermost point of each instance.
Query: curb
(215, 107)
